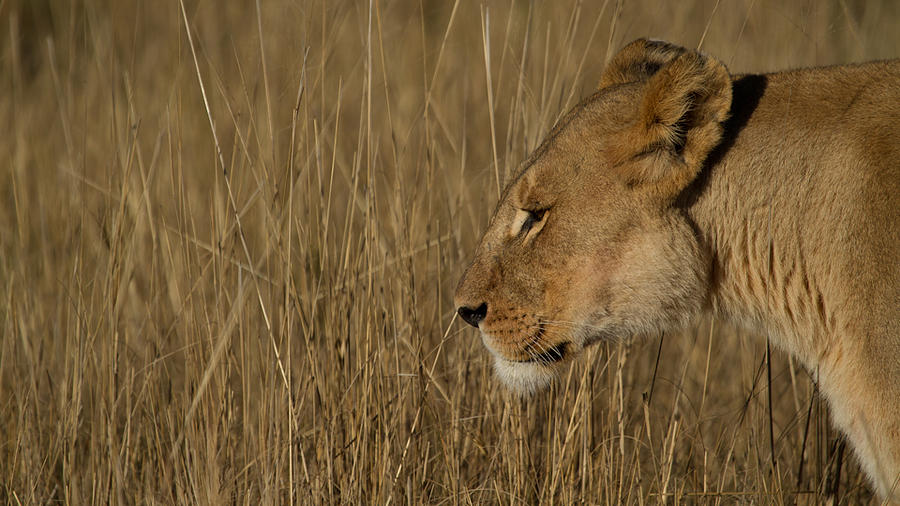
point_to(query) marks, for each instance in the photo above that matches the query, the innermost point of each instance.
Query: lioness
(676, 189)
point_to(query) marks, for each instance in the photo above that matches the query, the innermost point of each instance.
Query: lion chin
(524, 378)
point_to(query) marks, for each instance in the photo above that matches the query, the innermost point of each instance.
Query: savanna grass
(230, 233)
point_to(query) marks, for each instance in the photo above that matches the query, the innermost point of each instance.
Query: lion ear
(684, 99)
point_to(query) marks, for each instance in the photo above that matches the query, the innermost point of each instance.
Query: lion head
(588, 241)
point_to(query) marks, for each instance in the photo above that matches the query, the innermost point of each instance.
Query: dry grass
(242, 293)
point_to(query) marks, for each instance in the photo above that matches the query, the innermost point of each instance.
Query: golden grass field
(230, 234)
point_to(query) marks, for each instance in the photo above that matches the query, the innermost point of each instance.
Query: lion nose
(473, 316)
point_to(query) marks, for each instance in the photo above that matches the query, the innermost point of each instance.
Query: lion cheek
(588, 280)
(661, 282)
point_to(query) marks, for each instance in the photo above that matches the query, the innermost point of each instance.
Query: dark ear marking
(638, 61)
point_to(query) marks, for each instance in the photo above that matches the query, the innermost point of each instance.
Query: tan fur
(676, 190)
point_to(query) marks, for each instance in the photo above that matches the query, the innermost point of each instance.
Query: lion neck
(744, 206)
(762, 281)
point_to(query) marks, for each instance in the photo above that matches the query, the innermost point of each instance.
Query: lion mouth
(552, 355)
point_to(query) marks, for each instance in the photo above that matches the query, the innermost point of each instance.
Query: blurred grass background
(230, 233)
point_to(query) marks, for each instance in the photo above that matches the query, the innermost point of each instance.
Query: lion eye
(532, 218)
